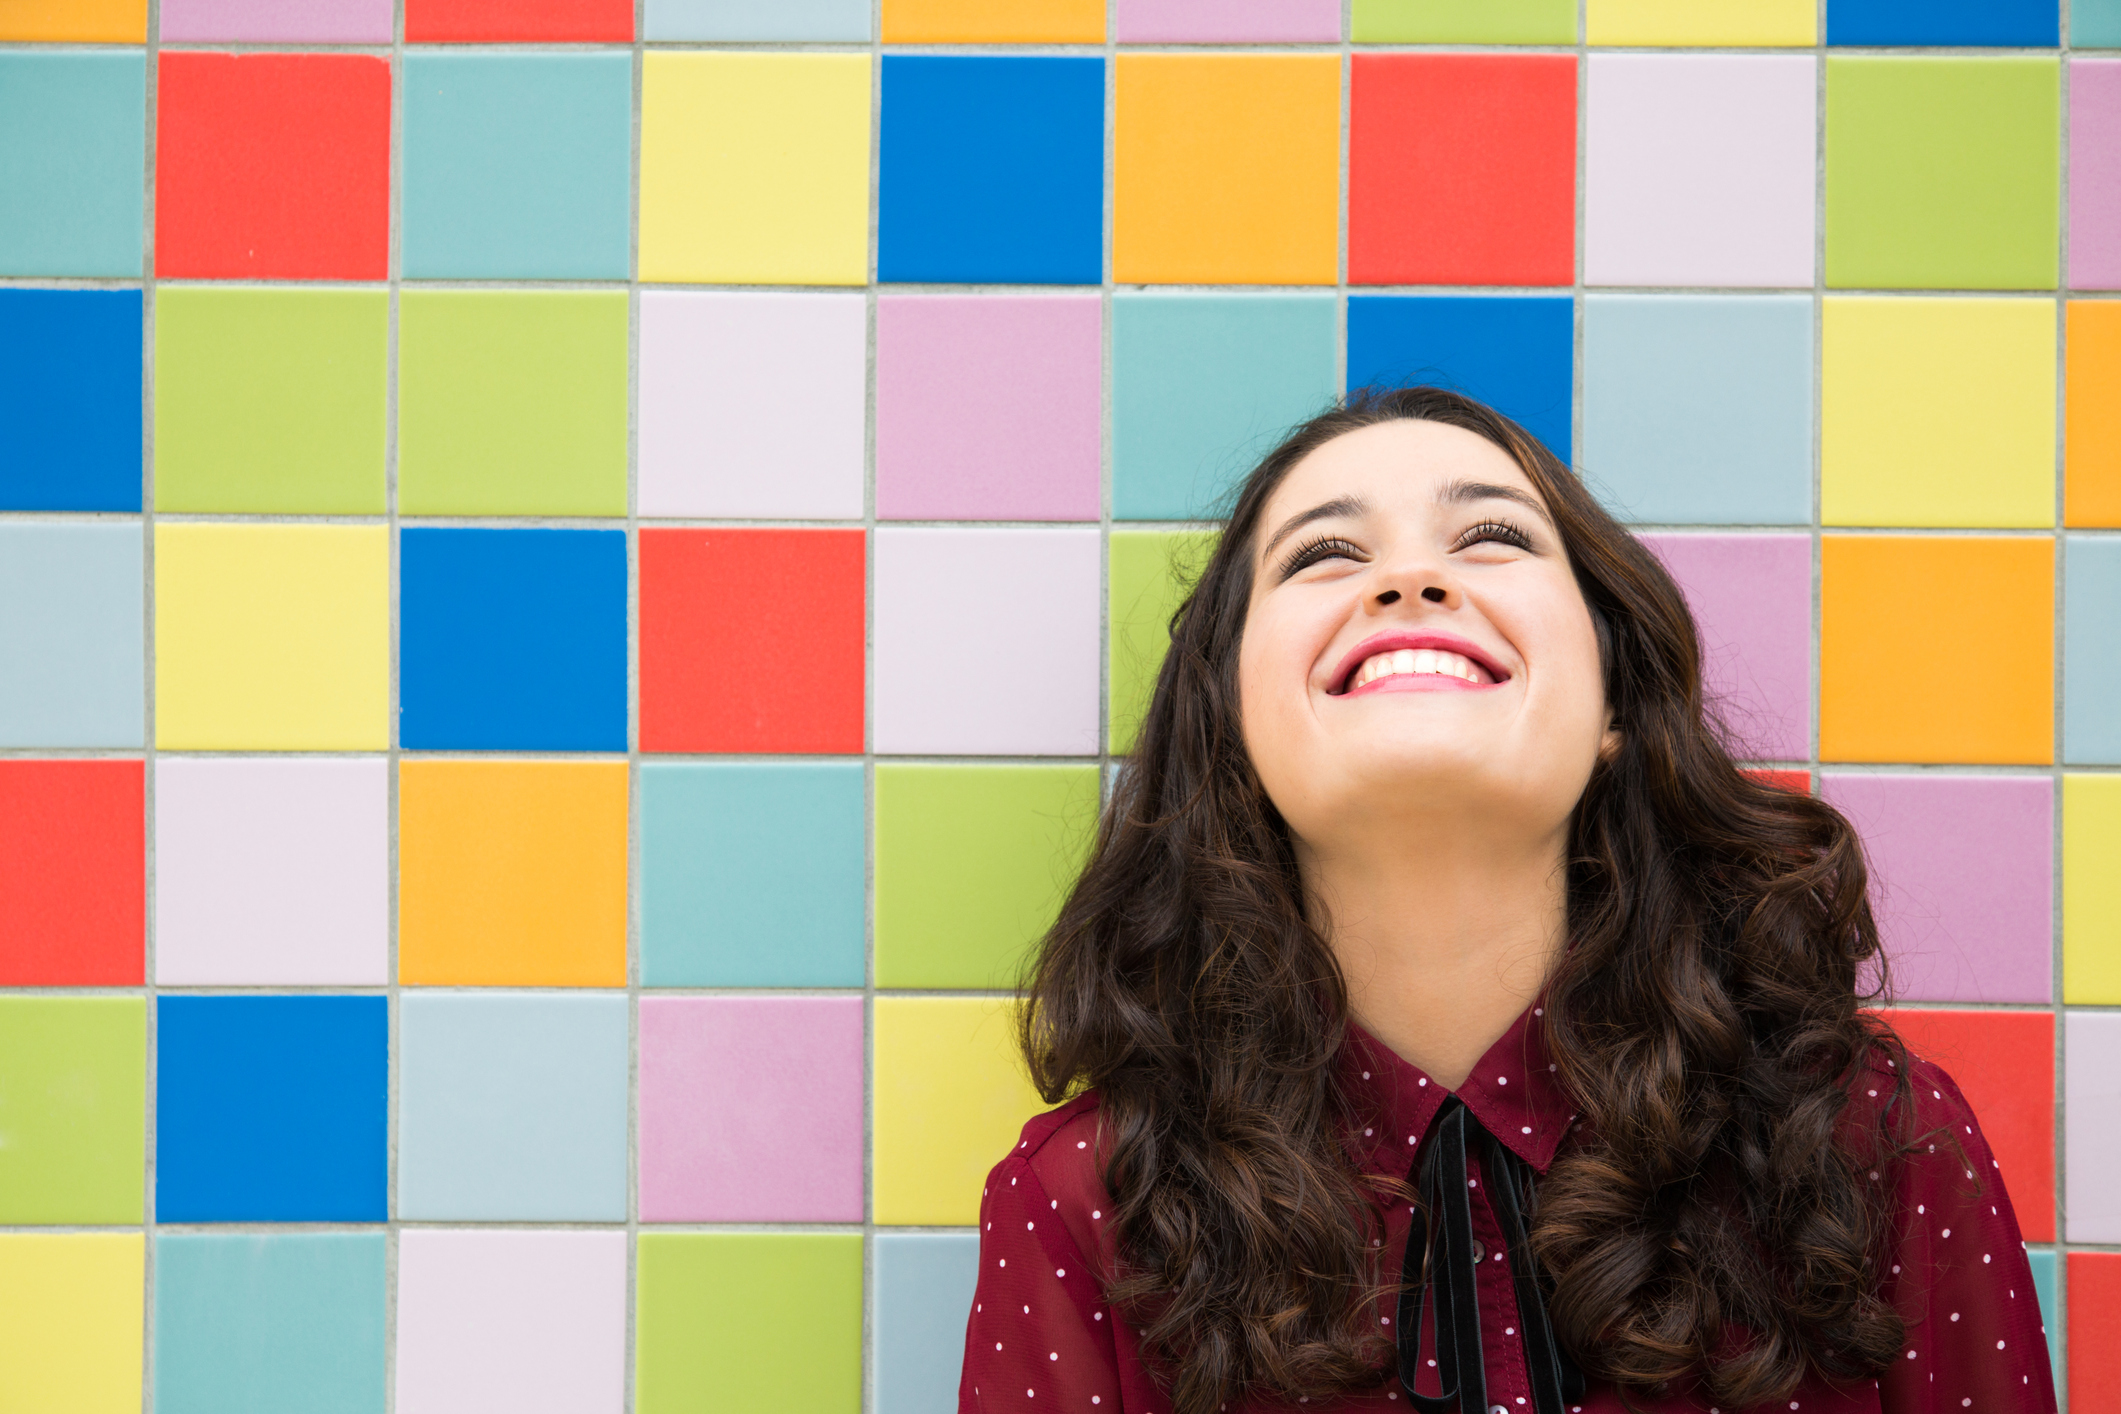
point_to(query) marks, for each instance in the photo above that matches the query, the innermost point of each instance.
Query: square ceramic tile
(936, 591)
(73, 134)
(72, 633)
(751, 1109)
(511, 1322)
(748, 1320)
(1699, 169)
(1962, 878)
(843, 21)
(277, 22)
(511, 21)
(2091, 653)
(1148, 574)
(2091, 889)
(979, 22)
(2094, 1317)
(950, 1095)
(72, 1306)
(512, 1106)
(2001, 1059)
(2091, 436)
(73, 1104)
(73, 873)
(1958, 23)
(1516, 355)
(988, 408)
(924, 1283)
(1750, 23)
(2091, 1067)
(2095, 24)
(1226, 22)
(70, 376)
(272, 872)
(753, 405)
(2095, 173)
(1752, 600)
(1462, 21)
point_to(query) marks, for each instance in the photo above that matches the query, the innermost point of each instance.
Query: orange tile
(512, 873)
(1226, 170)
(1937, 649)
(2091, 463)
(74, 21)
(985, 22)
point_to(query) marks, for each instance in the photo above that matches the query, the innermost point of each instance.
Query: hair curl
(1714, 1223)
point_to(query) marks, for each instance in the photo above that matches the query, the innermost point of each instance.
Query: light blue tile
(1697, 409)
(512, 1106)
(73, 162)
(753, 874)
(71, 634)
(2095, 24)
(817, 20)
(2044, 1264)
(518, 166)
(2091, 653)
(1203, 386)
(248, 1323)
(924, 1284)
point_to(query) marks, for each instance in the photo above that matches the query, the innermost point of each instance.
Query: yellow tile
(1897, 613)
(74, 21)
(1937, 412)
(2091, 890)
(1226, 169)
(951, 1094)
(755, 169)
(70, 1307)
(272, 637)
(985, 22)
(512, 873)
(1656, 22)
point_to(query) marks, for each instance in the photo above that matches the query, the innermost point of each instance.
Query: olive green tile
(1463, 22)
(73, 1109)
(1149, 573)
(748, 1320)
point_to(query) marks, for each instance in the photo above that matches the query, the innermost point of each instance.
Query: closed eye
(1500, 532)
(1311, 552)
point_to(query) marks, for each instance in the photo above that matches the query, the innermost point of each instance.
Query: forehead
(1394, 466)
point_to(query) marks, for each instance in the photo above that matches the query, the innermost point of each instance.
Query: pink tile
(1227, 22)
(1752, 597)
(1699, 169)
(1962, 879)
(511, 1322)
(272, 872)
(988, 408)
(751, 1109)
(276, 21)
(2095, 174)
(753, 406)
(986, 642)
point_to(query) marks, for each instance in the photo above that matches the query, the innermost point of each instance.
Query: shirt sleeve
(1975, 1342)
(1040, 1337)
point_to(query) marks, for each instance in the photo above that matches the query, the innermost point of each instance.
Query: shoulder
(1057, 1164)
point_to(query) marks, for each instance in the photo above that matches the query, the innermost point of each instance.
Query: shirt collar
(1513, 1091)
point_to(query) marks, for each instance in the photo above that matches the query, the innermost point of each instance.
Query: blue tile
(1697, 409)
(270, 1109)
(71, 635)
(924, 1283)
(2095, 24)
(512, 1106)
(816, 20)
(73, 162)
(70, 365)
(753, 874)
(518, 166)
(1516, 355)
(2043, 1262)
(992, 169)
(1953, 22)
(1204, 385)
(512, 640)
(252, 1323)
(2091, 652)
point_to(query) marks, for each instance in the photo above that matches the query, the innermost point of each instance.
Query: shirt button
(1480, 1254)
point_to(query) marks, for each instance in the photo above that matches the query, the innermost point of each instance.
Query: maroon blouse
(1041, 1335)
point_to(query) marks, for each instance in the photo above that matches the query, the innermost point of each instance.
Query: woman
(1451, 1026)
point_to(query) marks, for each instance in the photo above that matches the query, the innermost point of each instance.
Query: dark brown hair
(1714, 1221)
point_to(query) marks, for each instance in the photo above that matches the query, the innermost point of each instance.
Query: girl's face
(1416, 644)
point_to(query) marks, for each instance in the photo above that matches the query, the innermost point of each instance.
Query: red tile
(1798, 781)
(751, 640)
(2004, 1062)
(272, 166)
(1462, 170)
(519, 21)
(2094, 1330)
(73, 873)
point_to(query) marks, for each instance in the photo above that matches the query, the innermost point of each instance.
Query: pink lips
(1391, 640)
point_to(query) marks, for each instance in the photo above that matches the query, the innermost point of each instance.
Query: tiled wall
(568, 574)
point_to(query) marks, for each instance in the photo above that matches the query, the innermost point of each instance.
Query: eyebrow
(1457, 493)
(1324, 510)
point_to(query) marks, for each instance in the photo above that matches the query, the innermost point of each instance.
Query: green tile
(270, 401)
(744, 1320)
(512, 403)
(1464, 22)
(1150, 572)
(1942, 173)
(971, 865)
(73, 1109)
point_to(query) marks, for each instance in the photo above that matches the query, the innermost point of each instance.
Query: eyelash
(1500, 530)
(1333, 546)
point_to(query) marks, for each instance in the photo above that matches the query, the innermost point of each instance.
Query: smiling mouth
(1417, 662)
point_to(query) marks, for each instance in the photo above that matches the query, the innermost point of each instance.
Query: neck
(1442, 945)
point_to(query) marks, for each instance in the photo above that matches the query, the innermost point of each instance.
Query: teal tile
(518, 166)
(249, 1323)
(1203, 385)
(845, 21)
(1697, 409)
(73, 162)
(924, 1283)
(2091, 652)
(71, 634)
(2095, 24)
(752, 874)
(512, 1106)
(2044, 1266)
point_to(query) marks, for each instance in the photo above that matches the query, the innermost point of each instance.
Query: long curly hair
(1715, 1220)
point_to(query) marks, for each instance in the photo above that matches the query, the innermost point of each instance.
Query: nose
(1428, 582)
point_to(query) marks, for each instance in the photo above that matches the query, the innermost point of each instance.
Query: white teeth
(1414, 661)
